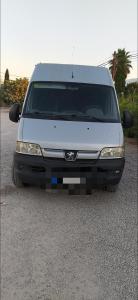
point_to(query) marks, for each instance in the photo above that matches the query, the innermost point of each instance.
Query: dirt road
(55, 246)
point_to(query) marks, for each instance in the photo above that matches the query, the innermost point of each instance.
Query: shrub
(125, 103)
(14, 90)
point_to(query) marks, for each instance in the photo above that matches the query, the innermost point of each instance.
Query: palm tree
(113, 65)
(120, 66)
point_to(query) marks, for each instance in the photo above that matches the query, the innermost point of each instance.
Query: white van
(70, 129)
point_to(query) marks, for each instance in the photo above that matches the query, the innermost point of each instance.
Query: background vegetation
(13, 91)
(126, 103)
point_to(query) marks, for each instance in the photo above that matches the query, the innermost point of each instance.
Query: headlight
(28, 148)
(116, 152)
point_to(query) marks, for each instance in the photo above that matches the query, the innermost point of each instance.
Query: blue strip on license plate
(54, 180)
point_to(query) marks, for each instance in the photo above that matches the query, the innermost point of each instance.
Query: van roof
(72, 73)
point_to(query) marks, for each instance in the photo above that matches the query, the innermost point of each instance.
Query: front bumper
(37, 170)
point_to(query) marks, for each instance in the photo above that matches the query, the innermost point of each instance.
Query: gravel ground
(56, 246)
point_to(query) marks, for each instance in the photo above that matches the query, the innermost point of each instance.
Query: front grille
(74, 170)
(77, 161)
(38, 169)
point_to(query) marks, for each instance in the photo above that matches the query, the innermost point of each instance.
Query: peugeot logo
(70, 155)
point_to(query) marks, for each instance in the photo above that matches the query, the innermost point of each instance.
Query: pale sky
(65, 31)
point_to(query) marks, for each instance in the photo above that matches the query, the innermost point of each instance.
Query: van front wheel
(15, 179)
(111, 188)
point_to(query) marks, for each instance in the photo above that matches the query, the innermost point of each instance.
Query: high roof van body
(70, 129)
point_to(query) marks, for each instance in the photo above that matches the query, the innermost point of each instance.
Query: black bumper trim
(38, 170)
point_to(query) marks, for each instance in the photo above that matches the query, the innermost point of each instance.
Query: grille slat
(78, 161)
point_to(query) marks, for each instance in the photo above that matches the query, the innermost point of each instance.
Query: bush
(124, 104)
(131, 90)
(13, 91)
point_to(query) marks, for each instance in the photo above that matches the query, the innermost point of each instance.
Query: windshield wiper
(93, 118)
(81, 116)
(66, 116)
(33, 113)
(46, 115)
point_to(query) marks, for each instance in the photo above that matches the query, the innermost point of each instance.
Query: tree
(7, 76)
(14, 90)
(113, 67)
(120, 66)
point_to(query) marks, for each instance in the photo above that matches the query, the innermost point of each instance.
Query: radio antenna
(73, 51)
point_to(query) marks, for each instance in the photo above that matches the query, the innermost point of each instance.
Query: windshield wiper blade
(95, 118)
(81, 116)
(34, 113)
(66, 116)
(46, 115)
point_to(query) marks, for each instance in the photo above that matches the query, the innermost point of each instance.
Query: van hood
(70, 135)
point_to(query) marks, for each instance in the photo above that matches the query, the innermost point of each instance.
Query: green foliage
(13, 91)
(120, 67)
(124, 104)
(2, 103)
(131, 91)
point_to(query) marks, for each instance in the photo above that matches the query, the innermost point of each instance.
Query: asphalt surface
(56, 246)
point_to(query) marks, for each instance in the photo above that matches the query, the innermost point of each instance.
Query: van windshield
(71, 101)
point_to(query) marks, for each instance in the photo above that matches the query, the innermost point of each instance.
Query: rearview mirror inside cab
(14, 113)
(127, 120)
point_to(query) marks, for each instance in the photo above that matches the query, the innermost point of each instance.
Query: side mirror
(127, 119)
(14, 113)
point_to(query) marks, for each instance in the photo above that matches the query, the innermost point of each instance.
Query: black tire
(112, 188)
(15, 179)
(43, 186)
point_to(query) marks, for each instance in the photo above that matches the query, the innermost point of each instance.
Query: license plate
(75, 180)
